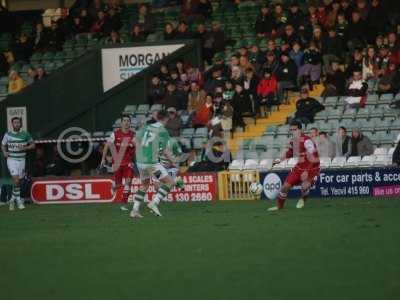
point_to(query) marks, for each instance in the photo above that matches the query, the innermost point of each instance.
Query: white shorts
(146, 171)
(16, 167)
(173, 172)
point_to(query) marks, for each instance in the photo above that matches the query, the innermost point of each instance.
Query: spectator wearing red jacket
(266, 91)
(204, 113)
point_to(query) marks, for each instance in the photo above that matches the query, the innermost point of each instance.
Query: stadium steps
(254, 131)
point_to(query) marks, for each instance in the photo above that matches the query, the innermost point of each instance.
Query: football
(256, 188)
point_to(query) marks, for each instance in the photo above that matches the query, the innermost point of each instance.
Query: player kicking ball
(122, 146)
(304, 172)
(151, 144)
(14, 145)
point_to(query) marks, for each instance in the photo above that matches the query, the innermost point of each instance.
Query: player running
(305, 171)
(122, 146)
(151, 141)
(14, 145)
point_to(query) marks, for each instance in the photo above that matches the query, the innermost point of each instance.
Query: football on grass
(256, 188)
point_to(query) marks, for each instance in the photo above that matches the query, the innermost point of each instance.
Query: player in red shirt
(305, 171)
(122, 146)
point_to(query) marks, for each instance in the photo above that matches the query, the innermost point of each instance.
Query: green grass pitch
(333, 249)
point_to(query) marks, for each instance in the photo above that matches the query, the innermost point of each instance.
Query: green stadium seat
(4, 80)
(156, 107)
(131, 109)
(271, 130)
(48, 56)
(36, 57)
(143, 109)
(187, 132)
(383, 125)
(198, 143)
(201, 132)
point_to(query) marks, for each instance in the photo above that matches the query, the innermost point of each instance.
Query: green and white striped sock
(16, 194)
(139, 198)
(162, 193)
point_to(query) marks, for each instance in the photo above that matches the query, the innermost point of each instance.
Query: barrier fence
(235, 185)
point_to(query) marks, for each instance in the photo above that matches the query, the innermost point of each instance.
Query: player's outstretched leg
(305, 191)
(137, 200)
(162, 193)
(281, 199)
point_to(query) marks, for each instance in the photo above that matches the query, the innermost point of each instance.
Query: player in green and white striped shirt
(14, 145)
(151, 142)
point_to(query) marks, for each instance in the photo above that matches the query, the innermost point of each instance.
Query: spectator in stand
(280, 18)
(114, 39)
(376, 20)
(194, 74)
(189, 9)
(229, 91)
(213, 82)
(382, 60)
(286, 75)
(356, 91)
(174, 122)
(101, 26)
(183, 31)
(356, 62)
(204, 114)
(296, 16)
(335, 82)
(311, 70)
(332, 48)
(272, 63)
(332, 14)
(205, 9)
(23, 49)
(361, 145)
(136, 35)
(174, 98)
(145, 20)
(40, 38)
(343, 143)
(16, 83)
(226, 118)
(85, 20)
(94, 7)
(56, 38)
(325, 147)
(356, 31)
(265, 23)
(342, 27)
(237, 76)
(369, 64)
(393, 42)
(297, 54)
(156, 91)
(241, 104)
(196, 98)
(346, 9)
(77, 27)
(250, 83)
(217, 37)
(390, 81)
(169, 32)
(64, 23)
(114, 19)
(307, 108)
(41, 73)
(267, 90)
(32, 76)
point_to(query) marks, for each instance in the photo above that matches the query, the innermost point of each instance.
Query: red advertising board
(198, 187)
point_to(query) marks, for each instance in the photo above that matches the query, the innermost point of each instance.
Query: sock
(125, 193)
(281, 200)
(162, 193)
(139, 198)
(16, 194)
(304, 194)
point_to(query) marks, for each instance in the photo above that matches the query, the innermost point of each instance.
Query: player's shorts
(297, 176)
(146, 171)
(173, 172)
(123, 172)
(16, 167)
